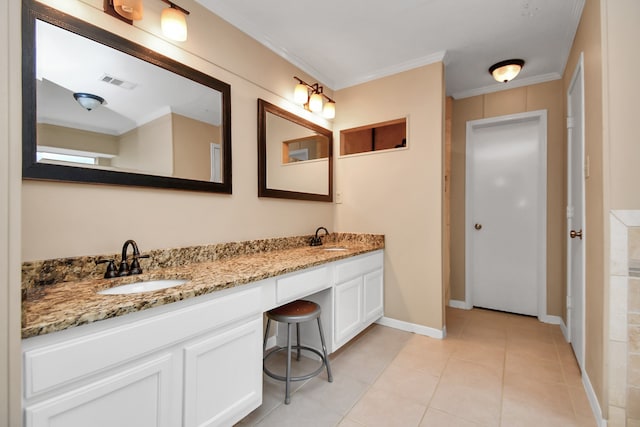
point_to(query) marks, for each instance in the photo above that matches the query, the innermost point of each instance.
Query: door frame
(541, 117)
(579, 71)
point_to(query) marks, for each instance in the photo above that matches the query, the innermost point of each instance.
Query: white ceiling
(343, 43)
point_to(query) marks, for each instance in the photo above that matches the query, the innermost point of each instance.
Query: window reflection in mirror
(375, 137)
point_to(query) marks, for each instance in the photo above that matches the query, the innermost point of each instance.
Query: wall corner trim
(411, 327)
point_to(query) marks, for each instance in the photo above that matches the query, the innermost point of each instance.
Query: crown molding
(543, 78)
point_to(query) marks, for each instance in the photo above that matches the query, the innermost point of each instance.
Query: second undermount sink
(146, 286)
(334, 248)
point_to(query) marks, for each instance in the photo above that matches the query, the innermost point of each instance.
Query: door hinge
(570, 124)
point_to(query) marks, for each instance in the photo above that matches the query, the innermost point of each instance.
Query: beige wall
(192, 147)
(399, 192)
(77, 139)
(622, 91)
(588, 40)
(544, 96)
(61, 219)
(147, 148)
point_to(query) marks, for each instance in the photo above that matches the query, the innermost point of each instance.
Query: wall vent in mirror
(387, 135)
(294, 156)
(160, 123)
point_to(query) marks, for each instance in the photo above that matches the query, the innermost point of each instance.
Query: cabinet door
(348, 309)
(136, 397)
(373, 296)
(223, 376)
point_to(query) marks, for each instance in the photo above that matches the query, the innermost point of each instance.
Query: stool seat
(295, 312)
(292, 313)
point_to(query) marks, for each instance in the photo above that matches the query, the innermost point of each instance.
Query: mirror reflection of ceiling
(68, 63)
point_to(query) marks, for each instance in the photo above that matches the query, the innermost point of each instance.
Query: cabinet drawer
(57, 364)
(352, 268)
(300, 284)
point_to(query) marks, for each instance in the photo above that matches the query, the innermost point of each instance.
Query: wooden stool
(295, 312)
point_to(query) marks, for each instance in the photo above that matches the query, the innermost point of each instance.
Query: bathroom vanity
(196, 361)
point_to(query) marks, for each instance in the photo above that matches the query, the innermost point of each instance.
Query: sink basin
(147, 286)
(334, 249)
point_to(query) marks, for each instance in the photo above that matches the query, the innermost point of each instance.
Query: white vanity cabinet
(358, 295)
(196, 362)
(186, 364)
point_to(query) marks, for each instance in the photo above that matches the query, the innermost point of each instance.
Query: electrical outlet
(338, 196)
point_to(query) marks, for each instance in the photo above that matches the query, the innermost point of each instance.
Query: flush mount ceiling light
(505, 71)
(88, 101)
(172, 21)
(312, 98)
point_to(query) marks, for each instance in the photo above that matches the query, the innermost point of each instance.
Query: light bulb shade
(130, 9)
(315, 103)
(505, 71)
(329, 110)
(300, 94)
(174, 24)
(88, 101)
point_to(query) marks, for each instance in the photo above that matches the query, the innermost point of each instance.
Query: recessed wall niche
(387, 135)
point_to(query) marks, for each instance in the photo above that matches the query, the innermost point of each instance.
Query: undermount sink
(334, 249)
(146, 286)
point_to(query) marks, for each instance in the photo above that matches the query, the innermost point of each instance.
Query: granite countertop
(63, 305)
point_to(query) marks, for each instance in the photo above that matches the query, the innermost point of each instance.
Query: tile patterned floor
(493, 369)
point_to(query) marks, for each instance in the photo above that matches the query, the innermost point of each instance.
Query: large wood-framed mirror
(155, 122)
(295, 156)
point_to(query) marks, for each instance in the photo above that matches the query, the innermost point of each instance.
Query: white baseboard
(459, 304)
(411, 327)
(593, 400)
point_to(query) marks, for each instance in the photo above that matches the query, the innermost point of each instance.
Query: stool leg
(287, 398)
(298, 340)
(266, 336)
(324, 351)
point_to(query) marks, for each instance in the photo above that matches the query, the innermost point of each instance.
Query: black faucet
(125, 269)
(317, 241)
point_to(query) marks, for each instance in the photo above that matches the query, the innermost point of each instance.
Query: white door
(506, 213)
(575, 212)
(216, 162)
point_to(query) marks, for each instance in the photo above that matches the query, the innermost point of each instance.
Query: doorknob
(478, 226)
(573, 234)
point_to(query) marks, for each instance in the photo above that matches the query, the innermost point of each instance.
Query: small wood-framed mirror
(295, 156)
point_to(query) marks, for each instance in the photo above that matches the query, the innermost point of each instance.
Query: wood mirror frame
(32, 12)
(265, 108)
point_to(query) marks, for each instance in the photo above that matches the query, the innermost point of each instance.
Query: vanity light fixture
(129, 9)
(505, 71)
(88, 101)
(172, 21)
(312, 98)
